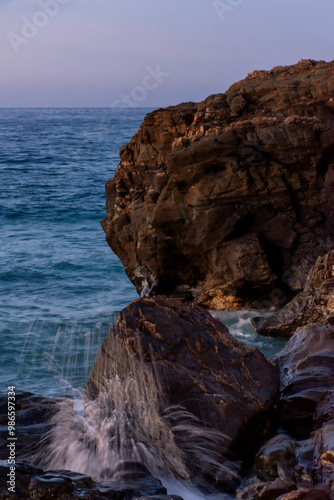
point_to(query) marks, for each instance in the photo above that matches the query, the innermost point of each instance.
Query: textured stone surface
(306, 407)
(275, 458)
(229, 387)
(302, 459)
(226, 200)
(315, 304)
(307, 375)
(38, 484)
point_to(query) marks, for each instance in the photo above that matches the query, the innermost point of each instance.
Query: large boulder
(229, 199)
(315, 304)
(201, 394)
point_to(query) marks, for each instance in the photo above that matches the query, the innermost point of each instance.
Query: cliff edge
(230, 201)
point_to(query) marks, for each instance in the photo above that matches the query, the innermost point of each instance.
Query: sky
(150, 53)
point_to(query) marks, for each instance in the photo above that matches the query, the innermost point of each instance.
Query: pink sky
(102, 52)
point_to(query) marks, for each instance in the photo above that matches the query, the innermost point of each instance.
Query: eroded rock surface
(302, 460)
(307, 377)
(226, 200)
(315, 304)
(202, 371)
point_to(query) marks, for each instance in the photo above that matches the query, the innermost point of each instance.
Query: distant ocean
(61, 286)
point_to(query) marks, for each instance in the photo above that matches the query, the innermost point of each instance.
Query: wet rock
(306, 408)
(276, 458)
(306, 494)
(32, 416)
(134, 479)
(305, 455)
(214, 392)
(229, 201)
(32, 482)
(160, 497)
(307, 373)
(266, 491)
(314, 305)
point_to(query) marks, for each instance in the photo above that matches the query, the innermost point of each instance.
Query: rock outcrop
(215, 394)
(302, 460)
(315, 304)
(225, 201)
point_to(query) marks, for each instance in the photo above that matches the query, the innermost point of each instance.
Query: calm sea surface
(61, 286)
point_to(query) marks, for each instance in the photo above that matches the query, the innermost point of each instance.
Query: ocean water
(61, 286)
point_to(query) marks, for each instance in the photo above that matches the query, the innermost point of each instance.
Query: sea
(61, 286)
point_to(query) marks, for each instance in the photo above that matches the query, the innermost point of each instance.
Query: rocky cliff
(230, 200)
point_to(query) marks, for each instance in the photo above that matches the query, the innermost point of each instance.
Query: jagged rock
(314, 305)
(225, 201)
(198, 365)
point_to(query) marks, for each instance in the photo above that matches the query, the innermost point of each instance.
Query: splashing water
(128, 421)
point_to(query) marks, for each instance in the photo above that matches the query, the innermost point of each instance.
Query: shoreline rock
(315, 304)
(225, 201)
(223, 392)
(302, 459)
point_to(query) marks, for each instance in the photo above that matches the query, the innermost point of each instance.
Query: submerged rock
(314, 305)
(227, 201)
(210, 391)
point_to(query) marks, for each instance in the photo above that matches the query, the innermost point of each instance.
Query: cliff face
(231, 199)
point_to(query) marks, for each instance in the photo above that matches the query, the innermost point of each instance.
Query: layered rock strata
(225, 201)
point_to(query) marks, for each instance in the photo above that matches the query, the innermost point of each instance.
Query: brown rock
(307, 494)
(231, 196)
(314, 305)
(198, 365)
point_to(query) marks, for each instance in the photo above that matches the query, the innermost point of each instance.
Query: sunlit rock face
(229, 200)
(202, 399)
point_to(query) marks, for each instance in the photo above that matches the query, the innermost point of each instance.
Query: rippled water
(60, 284)
(239, 325)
